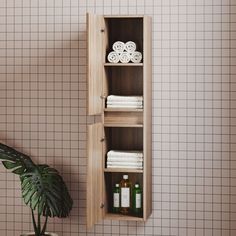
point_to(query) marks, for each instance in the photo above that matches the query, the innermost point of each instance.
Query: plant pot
(33, 234)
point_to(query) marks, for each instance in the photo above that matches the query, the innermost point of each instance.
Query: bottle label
(116, 200)
(138, 200)
(125, 197)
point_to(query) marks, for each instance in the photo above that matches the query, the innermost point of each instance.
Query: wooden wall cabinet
(122, 129)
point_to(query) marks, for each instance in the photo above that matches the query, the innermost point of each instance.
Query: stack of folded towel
(124, 53)
(125, 159)
(114, 101)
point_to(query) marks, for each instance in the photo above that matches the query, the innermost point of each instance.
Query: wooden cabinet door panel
(96, 59)
(95, 184)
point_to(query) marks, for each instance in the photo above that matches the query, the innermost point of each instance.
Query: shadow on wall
(44, 109)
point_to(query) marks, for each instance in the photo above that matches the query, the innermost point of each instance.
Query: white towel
(114, 163)
(125, 103)
(118, 46)
(124, 57)
(127, 167)
(128, 153)
(127, 159)
(136, 57)
(125, 106)
(113, 57)
(124, 98)
(130, 46)
(125, 156)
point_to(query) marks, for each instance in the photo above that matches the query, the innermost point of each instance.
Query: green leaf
(28, 196)
(10, 165)
(19, 171)
(41, 204)
(51, 195)
(12, 159)
(35, 200)
(43, 189)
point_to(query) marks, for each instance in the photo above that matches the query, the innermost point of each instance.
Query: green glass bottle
(116, 199)
(137, 200)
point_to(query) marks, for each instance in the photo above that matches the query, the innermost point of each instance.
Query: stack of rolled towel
(125, 159)
(124, 53)
(115, 101)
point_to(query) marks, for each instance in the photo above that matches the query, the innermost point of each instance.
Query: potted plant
(43, 189)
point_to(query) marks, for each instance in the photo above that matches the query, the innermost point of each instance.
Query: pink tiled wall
(43, 110)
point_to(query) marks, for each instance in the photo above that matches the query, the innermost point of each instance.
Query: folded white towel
(118, 46)
(125, 103)
(125, 106)
(125, 155)
(113, 57)
(130, 46)
(113, 163)
(136, 57)
(124, 98)
(128, 153)
(125, 167)
(124, 57)
(126, 159)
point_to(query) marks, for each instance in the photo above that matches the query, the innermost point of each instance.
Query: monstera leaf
(14, 160)
(43, 189)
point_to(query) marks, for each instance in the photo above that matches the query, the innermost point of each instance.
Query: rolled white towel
(113, 57)
(124, 57)
(130, 46)
(136, 57)
(117, 98)
(118, 46)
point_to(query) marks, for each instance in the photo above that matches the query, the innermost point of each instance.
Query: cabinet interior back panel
(124, 138)
(125, 80)
(133, 30)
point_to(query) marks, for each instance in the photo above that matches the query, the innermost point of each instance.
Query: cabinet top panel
(123, 16)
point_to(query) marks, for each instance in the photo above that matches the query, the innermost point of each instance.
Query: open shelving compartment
(111, 178)
(120, 128)
(120, 81)
(123, 139)
(124, 29)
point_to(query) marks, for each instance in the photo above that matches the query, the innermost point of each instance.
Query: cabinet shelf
(112, 216)
(123, 16)
(123, 110)
(122, 64)
(122, 170)
(123, 125)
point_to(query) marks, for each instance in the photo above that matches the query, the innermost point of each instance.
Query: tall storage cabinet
(120, 128)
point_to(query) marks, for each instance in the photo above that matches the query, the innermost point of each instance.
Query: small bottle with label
(125, 187)
(137, 200)
(116, 199)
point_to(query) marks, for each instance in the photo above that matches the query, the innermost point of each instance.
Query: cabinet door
(95, 184)
(96, 58)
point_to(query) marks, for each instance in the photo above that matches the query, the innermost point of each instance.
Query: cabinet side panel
(94, 175)
(95, 56)
(147, 85)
